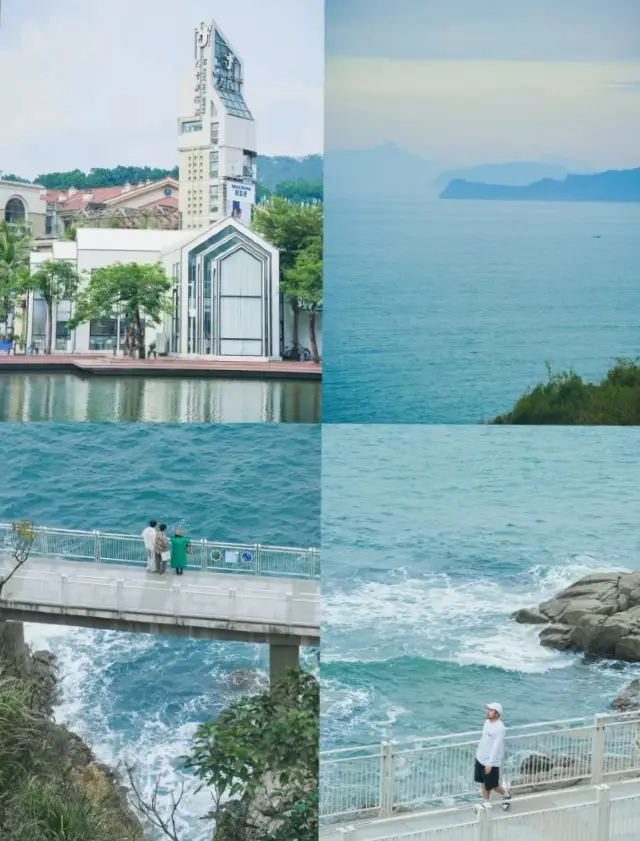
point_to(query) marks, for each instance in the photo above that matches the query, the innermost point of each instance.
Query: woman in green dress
(179, 549)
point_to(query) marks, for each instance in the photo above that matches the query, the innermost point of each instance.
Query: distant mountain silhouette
(377, 172)
(515, 173)
(613, 185)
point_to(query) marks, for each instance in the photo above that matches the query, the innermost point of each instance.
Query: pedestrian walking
(180, 546)
(149, 538)
(489, 755)
(162, 549)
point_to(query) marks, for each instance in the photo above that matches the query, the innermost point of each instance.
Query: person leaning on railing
(180, 547)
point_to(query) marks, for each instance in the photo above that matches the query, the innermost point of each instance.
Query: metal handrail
(610, 811)
(378, 780)
(206, 555)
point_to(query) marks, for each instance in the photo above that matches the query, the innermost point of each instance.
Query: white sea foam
(357, 708)
(438, 618)
(85, 659)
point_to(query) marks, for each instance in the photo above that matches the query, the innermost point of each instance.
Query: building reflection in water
(64, 397)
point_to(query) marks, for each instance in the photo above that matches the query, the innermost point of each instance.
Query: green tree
(15, 178)
(138, 292)
(261, 757)
(71, 231)
(15, 244)
(304, 282)
(290, 228)
(300, 191)
(55, 280)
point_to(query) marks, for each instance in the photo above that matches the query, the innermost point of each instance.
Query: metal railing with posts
(205, 556)
(597, 813)
(378, 780)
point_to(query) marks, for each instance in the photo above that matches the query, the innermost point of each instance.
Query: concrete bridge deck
(283, 612)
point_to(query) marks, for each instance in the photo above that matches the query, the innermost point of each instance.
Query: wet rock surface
(598, 615)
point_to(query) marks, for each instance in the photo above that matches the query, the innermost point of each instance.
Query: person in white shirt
(489, 755)
(149, 538)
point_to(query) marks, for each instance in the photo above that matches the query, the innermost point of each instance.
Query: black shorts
(490, 780)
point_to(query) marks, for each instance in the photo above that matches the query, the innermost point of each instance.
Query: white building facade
(217, 136)
(225, 295)
(24, 205)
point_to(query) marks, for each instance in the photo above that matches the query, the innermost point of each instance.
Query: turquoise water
(432, 536)
(446, 311)
(65, 397)
(141, 697)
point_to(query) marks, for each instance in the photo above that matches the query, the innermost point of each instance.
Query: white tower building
(217, 136)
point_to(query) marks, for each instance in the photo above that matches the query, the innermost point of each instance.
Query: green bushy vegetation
(260, 761)
(566, 399)
(295, 178)
(43, 797)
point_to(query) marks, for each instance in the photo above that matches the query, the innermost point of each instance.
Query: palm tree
(15, 246)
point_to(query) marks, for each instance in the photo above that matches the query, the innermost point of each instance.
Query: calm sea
(446, 311)
(64, 397)
(141, 697)
(432, 536)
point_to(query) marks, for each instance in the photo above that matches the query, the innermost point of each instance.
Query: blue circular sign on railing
(247, 557)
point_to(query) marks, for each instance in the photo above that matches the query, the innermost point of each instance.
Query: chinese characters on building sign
(225, 72)
(240, 198)
(202, 42)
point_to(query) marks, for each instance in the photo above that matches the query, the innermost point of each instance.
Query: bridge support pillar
(281, 658)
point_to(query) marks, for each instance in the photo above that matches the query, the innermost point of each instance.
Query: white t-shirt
(490, 748)
(149, 537)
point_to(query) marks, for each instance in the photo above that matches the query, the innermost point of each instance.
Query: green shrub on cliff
(261, 755)
(566, 399)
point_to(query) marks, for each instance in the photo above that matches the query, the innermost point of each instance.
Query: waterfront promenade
(376, 783)
(245, 593)
(573, 780)
(583, 813)
(171, 366)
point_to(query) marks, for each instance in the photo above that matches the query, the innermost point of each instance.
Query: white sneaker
(506, 800)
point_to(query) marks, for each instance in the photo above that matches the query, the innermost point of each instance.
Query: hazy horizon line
(546, 158)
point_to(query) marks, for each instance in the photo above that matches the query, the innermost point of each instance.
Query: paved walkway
(163, 367)
(261, 609)
(525, 821)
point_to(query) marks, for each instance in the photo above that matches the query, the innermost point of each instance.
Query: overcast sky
(90, 83)
(465, 82)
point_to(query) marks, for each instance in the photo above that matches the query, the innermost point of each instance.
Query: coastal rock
(246, 680)
(536, 763)
(628, 648)
(530, 616)
(556, 636)
(629, 699)
(598, 615)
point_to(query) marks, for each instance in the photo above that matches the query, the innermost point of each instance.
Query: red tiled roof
(81, 199)
(98, 195)
(165, 201)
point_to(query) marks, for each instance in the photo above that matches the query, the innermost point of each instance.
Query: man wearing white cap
(489, 755)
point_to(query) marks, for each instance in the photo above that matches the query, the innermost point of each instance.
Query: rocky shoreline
(101, 783)
(598, 616)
